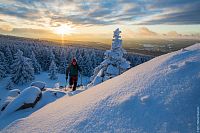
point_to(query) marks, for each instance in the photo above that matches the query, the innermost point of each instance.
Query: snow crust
(149, 98)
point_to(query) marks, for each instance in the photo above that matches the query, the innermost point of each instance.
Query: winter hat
(73, 60)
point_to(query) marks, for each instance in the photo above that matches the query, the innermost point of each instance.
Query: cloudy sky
(85, 19)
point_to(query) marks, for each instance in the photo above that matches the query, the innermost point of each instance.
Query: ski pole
(65, 84)
(81, 80)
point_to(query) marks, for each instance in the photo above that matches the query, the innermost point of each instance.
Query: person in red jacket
(72, 70)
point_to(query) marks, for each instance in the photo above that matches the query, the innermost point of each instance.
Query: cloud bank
(102, 12)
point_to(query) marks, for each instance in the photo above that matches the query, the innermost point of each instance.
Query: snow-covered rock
(48, 95)
(28, 98)
(12, 94)
(5, 102)
(117, 105)
(39, 84)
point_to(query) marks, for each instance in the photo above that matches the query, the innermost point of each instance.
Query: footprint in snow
(173, 66)
(144, 99)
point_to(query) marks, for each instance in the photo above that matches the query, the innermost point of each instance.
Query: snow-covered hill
(161, 95)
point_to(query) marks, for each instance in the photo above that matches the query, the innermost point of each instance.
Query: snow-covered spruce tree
(9, 55)
(114, 64)
(22, 70)
(9, 58)
(52, 55)
(63, 61)
(45, 58)
(53, 71)
(36, 65)
(3, 66)
(2, 70)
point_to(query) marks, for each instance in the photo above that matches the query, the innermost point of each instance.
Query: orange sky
(94, 20)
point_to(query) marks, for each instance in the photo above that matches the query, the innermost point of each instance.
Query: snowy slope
(48, 96)
(160, 95)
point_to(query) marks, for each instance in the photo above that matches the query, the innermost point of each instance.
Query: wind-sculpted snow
(153, 97)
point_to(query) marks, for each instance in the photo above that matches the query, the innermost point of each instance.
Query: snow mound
(39, 84)
(171, 99)
(48, 96)
(27, 96)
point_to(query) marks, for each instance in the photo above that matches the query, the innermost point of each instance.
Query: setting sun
(64, 30)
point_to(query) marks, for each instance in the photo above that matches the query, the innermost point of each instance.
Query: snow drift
(160, 95)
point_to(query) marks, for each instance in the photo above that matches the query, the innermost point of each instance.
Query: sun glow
(64, 30)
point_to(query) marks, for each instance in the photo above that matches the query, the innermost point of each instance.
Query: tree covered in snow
(63, 61)
(3, 65)
(83, 64)
(52, 55)
(22, 70)
(36, 65)
(53, 71)
(8, 55)
(9, 58)
(46, 56)
(2, 70)
(45, 52)
(114, 63)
